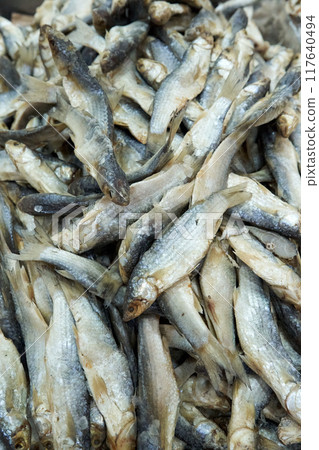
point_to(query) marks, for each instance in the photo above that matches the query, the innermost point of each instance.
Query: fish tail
(213, 355)
(238, 367)
(31, 252)
(235, 82)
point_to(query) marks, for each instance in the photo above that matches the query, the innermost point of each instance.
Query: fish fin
(31, 252)
(38, 91)
(213, 354)
(235, 195)
(235, 82)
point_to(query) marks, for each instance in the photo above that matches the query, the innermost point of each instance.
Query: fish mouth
(134, 309)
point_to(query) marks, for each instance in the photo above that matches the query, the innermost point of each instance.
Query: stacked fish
(150, 228)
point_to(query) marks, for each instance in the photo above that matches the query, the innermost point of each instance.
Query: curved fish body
(290, 320)
(105, 221)
(158, 396)
(127, 114)
(279, 245)
(91, 274)
(205, 135)
(273, 104)
(181, 247)
(120, 41)
(141, 233)
(106, 369)
(278, 60)
(266, 210)
(183, 84)
(83, 90)
(178, 305)
(162, 54)
(34, 169)
(35, 137)
(48, 204)
(218, 282)
(34, 330)
(95, 150)
(201, 432)
(249, 95)
(283, 280)
(281, 157)
(13, 397)
(246, 406)
(261, 342)
(69, 398)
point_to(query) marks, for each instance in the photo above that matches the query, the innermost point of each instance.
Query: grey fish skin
(34, 329)
(65, 378)
(15, 428)
(9, 324)
(245, 100)
(86, 185)
(158, 396)
(48, 204)
(280, 155)
(290, 320)
(237, 22)
(272, 105)
(141, 233)
(122, 335)
(256, 329)
(209, 434)
(129, 115)
(33, 137)
(104, 16)
(265, 210)
(120, 41)
(154, 274)
(106, 368)
(186, 82)
(164, 55)
(83, 90)
(91, 274)
(174, 39)
(94, 148)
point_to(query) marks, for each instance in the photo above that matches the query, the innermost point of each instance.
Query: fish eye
(130, 309)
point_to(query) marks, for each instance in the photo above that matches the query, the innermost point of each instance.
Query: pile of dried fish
(150, 227)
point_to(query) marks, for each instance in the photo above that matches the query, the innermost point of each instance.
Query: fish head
(140, 294)
(97, 435)
(61, 48)
(120, 191)
(21, 440)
